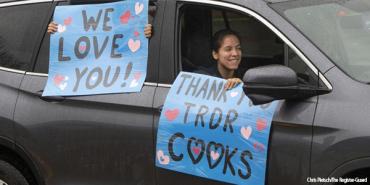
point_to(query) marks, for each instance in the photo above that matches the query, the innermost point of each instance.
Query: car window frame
(264, 21)
(38, 41)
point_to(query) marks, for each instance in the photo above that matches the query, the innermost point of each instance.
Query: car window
(18, 34)
(42, 62)
(340, 29)
(260, 46)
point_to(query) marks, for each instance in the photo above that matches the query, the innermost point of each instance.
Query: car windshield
(340, 28)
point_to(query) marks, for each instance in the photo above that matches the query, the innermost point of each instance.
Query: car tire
(9, 175)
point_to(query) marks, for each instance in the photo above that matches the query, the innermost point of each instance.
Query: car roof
(276, 1)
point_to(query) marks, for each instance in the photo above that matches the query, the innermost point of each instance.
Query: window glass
(260, 46)
(18, 34)
(341, 29)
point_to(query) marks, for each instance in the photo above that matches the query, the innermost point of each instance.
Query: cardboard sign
(98, 49)
(214, 133)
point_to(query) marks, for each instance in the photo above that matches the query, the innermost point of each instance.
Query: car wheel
(9, 175)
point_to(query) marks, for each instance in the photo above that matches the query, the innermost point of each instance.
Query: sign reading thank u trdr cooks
(214, 133)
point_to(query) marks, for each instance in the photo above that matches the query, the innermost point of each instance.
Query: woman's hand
(148, 31)
(232, 82)
(52, 27)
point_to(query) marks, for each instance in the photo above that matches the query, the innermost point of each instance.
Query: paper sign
(214, 133)
(98, 49)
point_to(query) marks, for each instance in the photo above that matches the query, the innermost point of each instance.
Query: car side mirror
(275, 82)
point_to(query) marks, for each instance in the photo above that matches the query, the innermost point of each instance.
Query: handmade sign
(214, 133)
(98, 49)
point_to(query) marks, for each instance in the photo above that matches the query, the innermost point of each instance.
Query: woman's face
(229, 54)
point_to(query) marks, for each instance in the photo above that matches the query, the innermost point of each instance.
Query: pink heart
(172, 114)
(259, 146)
(82, 48)
(133, 45)
(261, 124)
(233, 94)
(58, 79)
(136, 33)
(68, 21)
(163, 159)
(215, 155)
(137, 75)
(125, 17)
(196, 150)
(246, 132)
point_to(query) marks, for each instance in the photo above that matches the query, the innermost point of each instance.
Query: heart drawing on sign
(162, 159)
(215, 155)
(136, 33)
(58, 79)
(196, 150)
(172, 114)
(134, 83)
(61, 28)
(246, 132)
(68, 21)
(125, 17)
(215, 152)
(134, 45)
(82, 48)
(63, 86)
(261, 124)
(233, 94)
(259, 146)
(137, 75)
(138, 8)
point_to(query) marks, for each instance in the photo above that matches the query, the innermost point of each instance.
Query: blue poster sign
(213, 133)
(98, 49)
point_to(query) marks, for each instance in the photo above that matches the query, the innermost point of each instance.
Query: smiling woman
(226, 51)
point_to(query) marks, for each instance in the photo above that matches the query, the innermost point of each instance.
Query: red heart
(137, 75)
(261, 124)
(58, 79)
(68, 21)
(125, 17)
(172, 114)
(136, 33)
(196, 150)
(259, 146)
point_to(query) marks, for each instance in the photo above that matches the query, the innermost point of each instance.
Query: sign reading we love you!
(209, 132)
(98, 49)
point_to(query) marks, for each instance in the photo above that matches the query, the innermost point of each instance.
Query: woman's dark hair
(219, 37)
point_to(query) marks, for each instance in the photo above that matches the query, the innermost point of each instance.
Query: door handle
(50, 98)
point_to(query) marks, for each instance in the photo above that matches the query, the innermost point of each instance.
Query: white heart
(93, 78)
(134, 45)
(134, 83)
(163, 159)
(63, 86)
(246, 132)
(233, 94)
(215, 155)
(66, 78)
(61, 28)
(138, 8)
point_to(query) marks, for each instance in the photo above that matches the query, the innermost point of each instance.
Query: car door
(99, 139)
(291, 132)
(16, 55)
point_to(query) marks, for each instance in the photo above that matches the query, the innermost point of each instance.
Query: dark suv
(110, 139)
